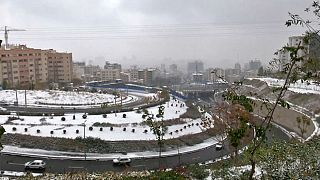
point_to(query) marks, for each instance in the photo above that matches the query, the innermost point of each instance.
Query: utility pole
(84, 138)
(6, 36)
(25, 98)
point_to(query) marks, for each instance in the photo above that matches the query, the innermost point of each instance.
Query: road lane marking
(195, 158)
(139, 166)
(76, 167)
(12, 163)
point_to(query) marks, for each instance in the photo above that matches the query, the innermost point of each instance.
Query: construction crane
(6, 30)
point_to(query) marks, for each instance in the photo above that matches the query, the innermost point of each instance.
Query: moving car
(36, 164)
(121, 160)
(219, 146)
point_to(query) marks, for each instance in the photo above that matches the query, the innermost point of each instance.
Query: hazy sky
(150, 32)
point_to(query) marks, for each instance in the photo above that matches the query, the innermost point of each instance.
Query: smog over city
(159, 89)
(146, 33)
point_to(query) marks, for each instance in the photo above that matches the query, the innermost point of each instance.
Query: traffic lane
(16, 163)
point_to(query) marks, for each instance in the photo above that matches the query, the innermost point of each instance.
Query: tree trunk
(160, 149)
(253, 167)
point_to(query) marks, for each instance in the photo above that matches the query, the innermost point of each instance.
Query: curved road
(54, 165)
(16, 163)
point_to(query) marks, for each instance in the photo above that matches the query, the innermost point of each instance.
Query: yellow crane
(6, 30)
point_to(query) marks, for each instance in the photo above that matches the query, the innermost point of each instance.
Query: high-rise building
(26, 67)
(173, 68)
(78, 70)
(108, 74)
(237, 66)
(215, 74)
(148, 75)
(254, 65)
(311, 45)
(195, 67)
(109, 65)
(283, 60)
(59, 66)
(133, 74)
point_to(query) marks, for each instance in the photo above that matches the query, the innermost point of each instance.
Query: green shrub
(165, 175)
(198, 172)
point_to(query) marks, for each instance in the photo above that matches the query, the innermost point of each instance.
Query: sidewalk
(13, 150)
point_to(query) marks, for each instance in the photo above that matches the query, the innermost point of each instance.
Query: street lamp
(179, 155)
(115, 106)
(1, 171)
(84, 138)
(74, 113)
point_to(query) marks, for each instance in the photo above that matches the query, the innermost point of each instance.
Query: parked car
(219, 146)
(121, 161)
(36, 164)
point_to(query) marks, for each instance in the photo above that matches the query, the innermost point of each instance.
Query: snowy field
(298, 87)
(62, 98)
(46, 124)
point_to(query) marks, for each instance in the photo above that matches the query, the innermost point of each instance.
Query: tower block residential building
(21, 66)
(59, 67)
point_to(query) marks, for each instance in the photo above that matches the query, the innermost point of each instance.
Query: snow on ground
(170, 112)
(8, 174)
(117, 134)
(173, 109)
(66, 97)
(298, 87)
(54, 97)
(236, 172)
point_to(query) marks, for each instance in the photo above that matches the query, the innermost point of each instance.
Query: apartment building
(148, 75)
(311, 45)
(108, 74)
(59, 66)
(214, 74)
(25, 67)
(78, 70)
(22, 66)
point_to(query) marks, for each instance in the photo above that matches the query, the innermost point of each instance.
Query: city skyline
(217, 33)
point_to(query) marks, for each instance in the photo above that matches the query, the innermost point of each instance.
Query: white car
(219, 146)
(121, 160)
(36, 164)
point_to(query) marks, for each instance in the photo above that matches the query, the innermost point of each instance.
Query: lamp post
(74, 113)
(115, 106)
(179, 155)
(84, 138)
(1, 172)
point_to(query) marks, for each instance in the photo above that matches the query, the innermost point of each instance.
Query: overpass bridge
(194, 91)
